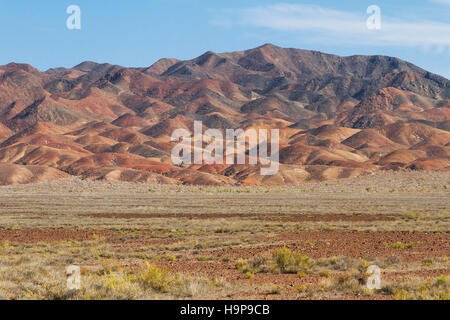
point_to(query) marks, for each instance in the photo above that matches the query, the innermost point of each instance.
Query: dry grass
(205, 254)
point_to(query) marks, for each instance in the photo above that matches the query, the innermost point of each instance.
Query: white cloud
(341, 27)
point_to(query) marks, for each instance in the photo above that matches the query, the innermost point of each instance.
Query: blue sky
(139, 32)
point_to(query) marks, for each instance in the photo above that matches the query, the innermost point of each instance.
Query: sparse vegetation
(142, 244)
(433, 289)
(400, 245)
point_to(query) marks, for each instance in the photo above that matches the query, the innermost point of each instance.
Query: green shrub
(155, 278)
(290, 262)
(325, 273)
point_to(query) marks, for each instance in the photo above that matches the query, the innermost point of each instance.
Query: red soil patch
(123, 238)
(356, 245)
(227, 271)
(284, 217)
(50, 235)
(408, 275)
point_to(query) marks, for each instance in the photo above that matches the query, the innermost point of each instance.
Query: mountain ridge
(337, 116)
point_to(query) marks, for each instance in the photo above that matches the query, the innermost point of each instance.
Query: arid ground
(140, 241)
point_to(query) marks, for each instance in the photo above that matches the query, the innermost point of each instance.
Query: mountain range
(338, 117)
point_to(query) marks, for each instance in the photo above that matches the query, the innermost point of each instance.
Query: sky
(137, 33)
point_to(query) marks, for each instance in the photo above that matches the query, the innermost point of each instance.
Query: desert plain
(144, 241)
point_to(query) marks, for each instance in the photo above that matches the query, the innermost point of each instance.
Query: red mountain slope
(338, 117)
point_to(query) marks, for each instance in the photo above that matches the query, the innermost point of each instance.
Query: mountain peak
(160, 66)
(13, 66)
(268, 45)
(86, 66)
